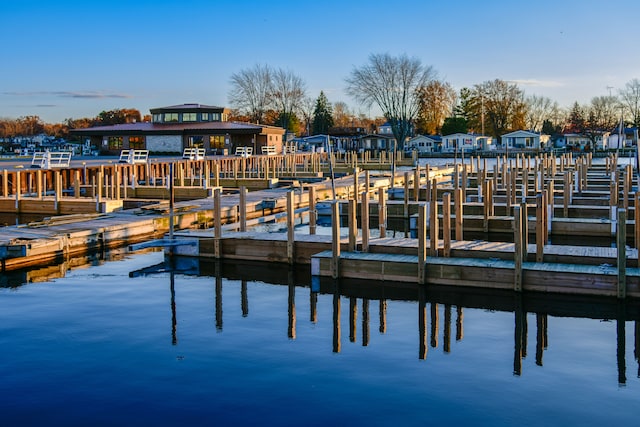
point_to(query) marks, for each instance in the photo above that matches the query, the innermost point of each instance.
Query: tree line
(28, 126)
(414, 100)
(410, 95)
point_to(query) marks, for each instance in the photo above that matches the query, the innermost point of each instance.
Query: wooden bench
(50, 160)
(244, 151)
(268, 150)
(134, 156)
(193, 153)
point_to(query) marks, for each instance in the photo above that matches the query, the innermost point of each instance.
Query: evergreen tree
(322, 115)
(453, 125)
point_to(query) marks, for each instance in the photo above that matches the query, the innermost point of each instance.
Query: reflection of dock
(440, 309)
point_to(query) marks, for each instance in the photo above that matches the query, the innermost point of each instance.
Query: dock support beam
(621, 242)
(422, 241)
(335, 239)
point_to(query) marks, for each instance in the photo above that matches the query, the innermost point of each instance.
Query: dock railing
(193, 153)
(50, 160)
(269, 150)
(134, 156)
(244, 151)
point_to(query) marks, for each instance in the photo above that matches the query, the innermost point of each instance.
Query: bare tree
(251, 91)
(502, 105)
(437, 100)
(307, 107)
(392, 84)
(630, 98)
(342, 117)
(287, 93)
(539, 109)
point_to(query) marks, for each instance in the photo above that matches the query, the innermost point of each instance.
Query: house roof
(521, 133)
(177, 128)
(187, 107)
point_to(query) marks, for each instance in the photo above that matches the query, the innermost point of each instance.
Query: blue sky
(72, 59)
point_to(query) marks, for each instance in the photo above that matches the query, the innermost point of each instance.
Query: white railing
(134, 156)
(193, 153)
(290, 149)
(49, 160)
(244, 151)
(269, 150)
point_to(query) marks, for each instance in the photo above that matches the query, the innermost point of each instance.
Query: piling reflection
(438, 300)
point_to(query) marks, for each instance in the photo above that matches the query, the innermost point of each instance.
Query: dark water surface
(254, 345)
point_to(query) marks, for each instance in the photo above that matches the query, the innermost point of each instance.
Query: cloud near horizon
(72, 94)
(537, 83)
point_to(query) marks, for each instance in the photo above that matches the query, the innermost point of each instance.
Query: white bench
(244, 151)
(134, 156)
(290, 149)
(193, 153)
(269, 150)
(49, 160)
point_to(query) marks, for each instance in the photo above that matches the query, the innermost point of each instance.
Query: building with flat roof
(174, 128)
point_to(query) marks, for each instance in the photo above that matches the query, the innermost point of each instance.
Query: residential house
(424, 144)
(177, 127)
(465, 142)
(523, 139)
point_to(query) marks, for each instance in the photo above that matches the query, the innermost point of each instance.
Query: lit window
(136, 142)
(216, 141)
(170, 117)
(115, 143)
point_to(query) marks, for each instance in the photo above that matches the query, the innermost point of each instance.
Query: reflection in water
(519, 304)
(174, 318)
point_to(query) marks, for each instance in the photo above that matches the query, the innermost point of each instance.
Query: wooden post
(335, 239)
(459, 206)
(5, 183)
(291, 221)
(356, 184)
(312, 210)
(518, 246)
(76, 184)
(636, 216)
(406, 196)
(242, 208)
(416, 184)
(364, 216)
(566, 193)
(621, 243)
(446, 223)
(352, 224)
(217, 220)
(422, 241)
(434, 228)
(57, 190)
(539, 227)
(382, 212)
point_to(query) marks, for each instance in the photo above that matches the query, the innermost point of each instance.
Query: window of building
(115, 143)
(136, 142)
(196, 141)
(170, 117)
(215, 117)
(205, 117)
(157, 118)
(216, 142)
(189, 117)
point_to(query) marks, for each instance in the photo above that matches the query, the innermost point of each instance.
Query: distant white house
(524, 139)
(424, 144)
(376, 142)
(465, 142)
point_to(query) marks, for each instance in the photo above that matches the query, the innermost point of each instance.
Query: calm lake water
(127, 342)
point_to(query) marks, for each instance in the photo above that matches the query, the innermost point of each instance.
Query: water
(248, 344)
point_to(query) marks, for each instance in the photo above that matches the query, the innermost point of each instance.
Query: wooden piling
(291, 222)
(458, 208)
(364, 216)
(446, 223)
(335, 239)
(621, 244)
(313, 214)
(382, 212)
(422, 241)
(352, 224)
(518, 246)
(242, 209)
(217, 221)
(540, 207)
